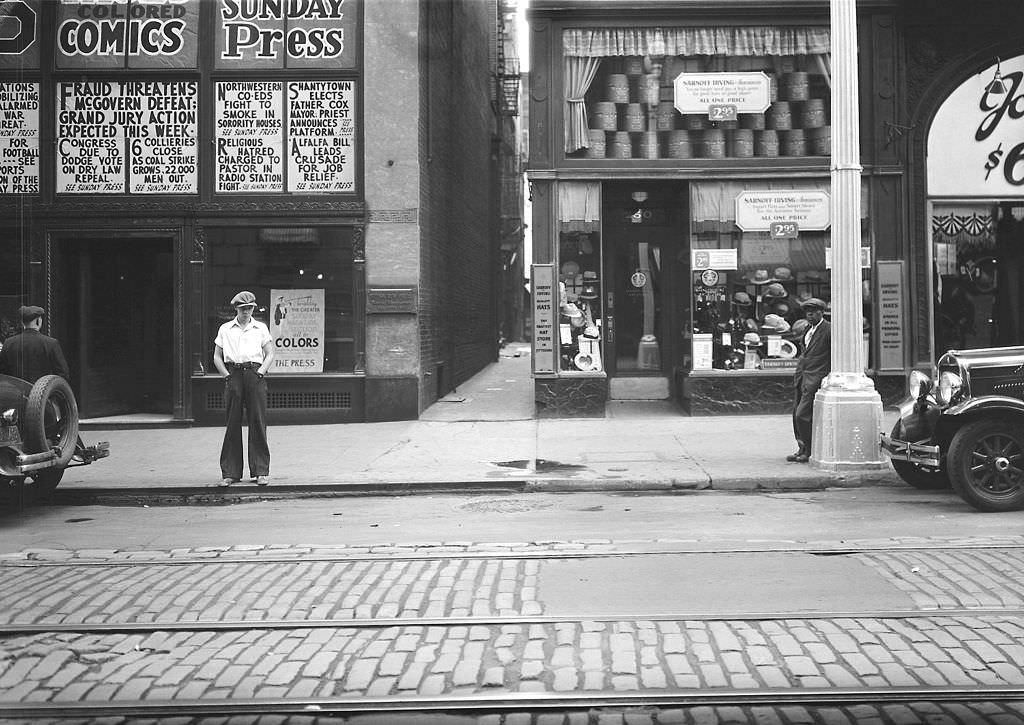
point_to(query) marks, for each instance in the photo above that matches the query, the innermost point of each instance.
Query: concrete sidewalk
(484, 436)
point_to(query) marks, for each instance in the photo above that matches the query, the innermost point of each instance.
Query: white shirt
(809, 335)
(243, 344)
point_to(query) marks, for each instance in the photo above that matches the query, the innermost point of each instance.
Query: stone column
(847, 408)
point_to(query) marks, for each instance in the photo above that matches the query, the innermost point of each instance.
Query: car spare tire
(51, 418)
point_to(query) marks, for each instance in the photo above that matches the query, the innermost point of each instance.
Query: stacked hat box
(631, 115)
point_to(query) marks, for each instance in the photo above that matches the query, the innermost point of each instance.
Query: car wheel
(986, 464)
(51, 418)
(925, 479)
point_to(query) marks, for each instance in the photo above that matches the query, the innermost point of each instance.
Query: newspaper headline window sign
(259, 124)
(19, 138)
(286, 34)
(116, 34)
(297, 329)
(128, 136)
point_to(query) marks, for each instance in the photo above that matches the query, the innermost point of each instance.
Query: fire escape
(507, 85)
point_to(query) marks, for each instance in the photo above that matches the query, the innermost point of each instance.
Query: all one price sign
(722, 93)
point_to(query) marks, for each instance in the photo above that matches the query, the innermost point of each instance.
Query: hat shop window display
(579, 322)
(758, 326)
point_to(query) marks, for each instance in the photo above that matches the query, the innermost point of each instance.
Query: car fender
(986, 404)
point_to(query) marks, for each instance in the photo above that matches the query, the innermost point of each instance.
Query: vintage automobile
(964, 427)
(39, 432)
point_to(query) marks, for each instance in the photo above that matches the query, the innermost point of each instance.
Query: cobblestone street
(467, 621)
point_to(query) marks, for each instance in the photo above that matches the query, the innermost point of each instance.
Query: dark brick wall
(459, 205)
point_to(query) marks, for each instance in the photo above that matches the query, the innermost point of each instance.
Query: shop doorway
(115, 298)
(644, 242)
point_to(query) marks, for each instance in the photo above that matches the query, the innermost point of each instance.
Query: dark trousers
(245, 388)
(804, 389)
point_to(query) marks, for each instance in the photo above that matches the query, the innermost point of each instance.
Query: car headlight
(948, 388)
(918, 384)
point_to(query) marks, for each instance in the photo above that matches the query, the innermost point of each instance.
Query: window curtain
(756, 40)
(579, 206)
(579, 74)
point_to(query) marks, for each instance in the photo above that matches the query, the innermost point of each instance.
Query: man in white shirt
(243, 354)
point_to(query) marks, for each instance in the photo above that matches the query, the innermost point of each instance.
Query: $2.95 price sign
(783, 230)
(722, 112)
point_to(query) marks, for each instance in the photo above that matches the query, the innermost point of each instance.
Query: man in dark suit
(30, 354)
(814, 364)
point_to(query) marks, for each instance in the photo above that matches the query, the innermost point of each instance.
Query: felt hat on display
(775, 324)
(799, 329)
(814, 304)
(782, 274)
(759, 276)
(780, 308)
(775, 291)
(751, 338)
(589, 292)
(787, 350)
(584, 361)
(570, 268)
(30, 312)
(589, 277)
(244, 298)
(742, 299)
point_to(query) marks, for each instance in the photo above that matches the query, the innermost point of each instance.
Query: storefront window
(620, 98)
(303, 279)
(979, 274)
(579, 282)
(749, 278)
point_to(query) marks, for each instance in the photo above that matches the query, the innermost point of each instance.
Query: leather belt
(243, 366)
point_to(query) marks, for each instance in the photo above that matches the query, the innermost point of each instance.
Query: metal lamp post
(847, 408)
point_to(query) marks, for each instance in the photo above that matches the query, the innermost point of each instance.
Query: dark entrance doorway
(645, 275)
(117, 323)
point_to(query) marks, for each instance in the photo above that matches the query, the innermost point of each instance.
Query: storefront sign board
(138, 136)
(757, 210)
(19, 138)
(394, 300)
(542, 282)
(713, 259)
(889, 277)
(976, 141)
(698, 92)
(297, 329)
(703, 351)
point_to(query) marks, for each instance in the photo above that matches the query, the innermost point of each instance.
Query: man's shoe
(262, 480)
(801, 458)
(795, 457)
(227, 481)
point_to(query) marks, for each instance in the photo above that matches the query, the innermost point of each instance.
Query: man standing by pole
(814, 364)
(243, 352)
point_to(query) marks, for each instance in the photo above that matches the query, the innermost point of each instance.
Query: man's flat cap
(243, 299)
(813, 304)
(30, 312)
